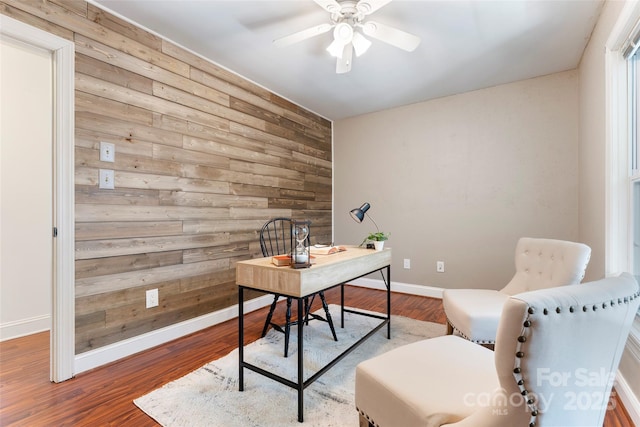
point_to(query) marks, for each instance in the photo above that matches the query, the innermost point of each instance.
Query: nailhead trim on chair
(522, 339)
(466, 337)
(371, 422)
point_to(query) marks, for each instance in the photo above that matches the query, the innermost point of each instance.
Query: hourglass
(300, 255)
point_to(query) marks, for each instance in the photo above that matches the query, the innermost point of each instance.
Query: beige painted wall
(460, 179)
(25, 190)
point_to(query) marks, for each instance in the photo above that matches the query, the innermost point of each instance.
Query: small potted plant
(377, 238)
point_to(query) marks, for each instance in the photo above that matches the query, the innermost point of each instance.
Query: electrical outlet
(107, 179)
(107, 152)
(440, 266)
(152, 298)
(407, 263)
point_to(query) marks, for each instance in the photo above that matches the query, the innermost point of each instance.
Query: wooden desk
(328, 271)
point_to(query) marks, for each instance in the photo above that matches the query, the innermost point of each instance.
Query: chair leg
(329, 320)
(287, 327)
(307, 309)
(270, 315)
(363, 421)
(449, 328)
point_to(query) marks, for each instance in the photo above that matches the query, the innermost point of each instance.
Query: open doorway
(26, 189)
(62, 264)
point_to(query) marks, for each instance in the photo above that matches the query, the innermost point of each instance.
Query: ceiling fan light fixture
(343, 32)
(360, 44)
(351, 33)
(342, 35)
(335, 49)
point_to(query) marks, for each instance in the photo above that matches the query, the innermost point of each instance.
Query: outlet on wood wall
(202, 159)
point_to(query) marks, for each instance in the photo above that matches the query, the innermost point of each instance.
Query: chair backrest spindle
(275, 237)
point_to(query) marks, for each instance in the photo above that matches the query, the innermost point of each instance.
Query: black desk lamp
(358, 214)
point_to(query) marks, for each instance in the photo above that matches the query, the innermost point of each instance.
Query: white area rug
(209, 396)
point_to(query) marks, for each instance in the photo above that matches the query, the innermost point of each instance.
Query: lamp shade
(358, 213)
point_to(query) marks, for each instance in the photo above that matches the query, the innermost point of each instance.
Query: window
(636, 226)
(632, 163)
(623, 146)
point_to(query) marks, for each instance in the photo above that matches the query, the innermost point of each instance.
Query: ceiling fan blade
(343, 64)
(390, 35)
(369, 6)
(302, 35)
(331, 6)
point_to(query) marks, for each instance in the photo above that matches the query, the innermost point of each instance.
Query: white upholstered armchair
(556, 355)
(540, 263)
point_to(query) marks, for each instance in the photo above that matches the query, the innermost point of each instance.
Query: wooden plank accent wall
(203, 159)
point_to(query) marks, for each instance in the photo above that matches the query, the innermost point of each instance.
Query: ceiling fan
(348, 23)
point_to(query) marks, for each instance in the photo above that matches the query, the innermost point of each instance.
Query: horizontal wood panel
(231, 151)
(117, 230)
(119, 196)
(183, 301)
(95, 86)
(187, 156)
(216, 252)
(121, 264)
(203, 157)
(114, 282)
(90, 139)
(181, 198)
(88, 176)
(134, 327)
(117, 247)
(123, 27)
(109, 213)
(86, 102)
(93, 303)
(125, 130)
(205, 226)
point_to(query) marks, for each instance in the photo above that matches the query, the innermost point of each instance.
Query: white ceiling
(466, 45)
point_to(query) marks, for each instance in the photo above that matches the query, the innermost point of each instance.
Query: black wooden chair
(275, 239)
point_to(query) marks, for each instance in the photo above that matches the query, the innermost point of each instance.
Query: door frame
(62, 350)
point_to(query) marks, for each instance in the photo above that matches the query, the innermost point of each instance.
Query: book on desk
(326, 250)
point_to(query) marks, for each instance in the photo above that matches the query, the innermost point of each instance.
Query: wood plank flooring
(104, 396)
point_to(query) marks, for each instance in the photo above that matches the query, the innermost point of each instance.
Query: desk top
(328, 271)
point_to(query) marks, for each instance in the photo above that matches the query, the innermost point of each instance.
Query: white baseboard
(110, 353)
(628, 399)
(404, 288)
(24, 327)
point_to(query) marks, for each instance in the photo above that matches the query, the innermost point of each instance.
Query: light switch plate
(152, 298)
(107, 179)
(107, 152)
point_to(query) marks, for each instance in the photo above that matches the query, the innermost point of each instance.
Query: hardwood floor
(104, 396)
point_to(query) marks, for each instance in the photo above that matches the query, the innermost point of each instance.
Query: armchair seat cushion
(474, 313)
(410, 386)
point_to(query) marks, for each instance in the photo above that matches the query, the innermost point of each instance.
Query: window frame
(619, 176)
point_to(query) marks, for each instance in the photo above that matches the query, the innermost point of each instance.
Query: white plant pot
(379, 245)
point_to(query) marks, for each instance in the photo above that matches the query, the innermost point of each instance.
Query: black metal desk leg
(388, 301)
(241, 336)
(300, 363)
(342, 305)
